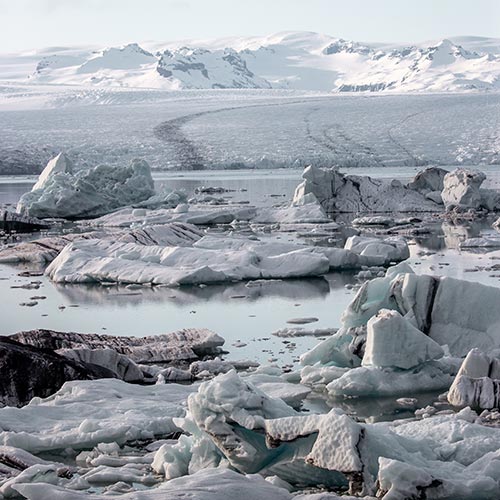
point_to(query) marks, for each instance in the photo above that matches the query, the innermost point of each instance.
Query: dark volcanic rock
(29, 371)
(11, 221)
(173, 348)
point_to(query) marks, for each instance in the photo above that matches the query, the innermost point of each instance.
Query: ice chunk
(431, 179)
(123, 367)
(83, 414)
(209, 484)
(394, 342)
(461, 189)
(477, 383)
(378, 251)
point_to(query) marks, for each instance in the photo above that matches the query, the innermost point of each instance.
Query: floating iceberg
(427, 192)
(230, 422)
(61, 192)
(337, 192)
(477, 383)
(380, 352)
(44, 250)
(128, 217)
(104, 261)
(178, 347)
(215, 259)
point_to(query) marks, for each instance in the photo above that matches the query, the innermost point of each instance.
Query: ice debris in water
(230, 422)
(394, 331)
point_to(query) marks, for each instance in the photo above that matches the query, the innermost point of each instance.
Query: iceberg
(209, 484)
(339, 193)
(181, 346)
(394, 331)
(84, 413)
(105, 261)
(213, 259)
(477, 383)
(60, 192)
(45, 250)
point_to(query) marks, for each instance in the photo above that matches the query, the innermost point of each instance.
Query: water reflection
(121, 296)
(376, 409)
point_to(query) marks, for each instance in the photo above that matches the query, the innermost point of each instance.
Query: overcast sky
(41, 23)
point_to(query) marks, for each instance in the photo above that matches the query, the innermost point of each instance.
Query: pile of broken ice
(430, 189)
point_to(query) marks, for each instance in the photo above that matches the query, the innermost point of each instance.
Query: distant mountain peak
(292, 60)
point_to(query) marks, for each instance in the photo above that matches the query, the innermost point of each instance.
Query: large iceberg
(427, 192)
(62, 192)
(392, 331)
(337, 192)
(215, 259)
(105, 261)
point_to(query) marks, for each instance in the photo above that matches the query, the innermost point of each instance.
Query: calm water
(240, 314)
(236, 312)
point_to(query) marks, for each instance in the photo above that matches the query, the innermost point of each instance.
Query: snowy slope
(289, 60)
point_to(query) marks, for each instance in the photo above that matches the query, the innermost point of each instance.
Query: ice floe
(83, 414)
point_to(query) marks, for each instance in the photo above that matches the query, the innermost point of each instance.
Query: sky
(31, 24)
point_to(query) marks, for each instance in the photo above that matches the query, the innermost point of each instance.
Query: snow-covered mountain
(290, 60)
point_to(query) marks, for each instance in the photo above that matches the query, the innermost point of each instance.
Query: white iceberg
(88, 193)
(425, 313)
(106, 261)
(232, 423)
(477, 383)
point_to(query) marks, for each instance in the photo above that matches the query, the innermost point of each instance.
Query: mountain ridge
(286, 60)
